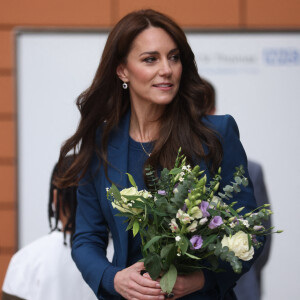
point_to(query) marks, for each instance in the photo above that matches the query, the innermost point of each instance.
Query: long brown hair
(105, 100)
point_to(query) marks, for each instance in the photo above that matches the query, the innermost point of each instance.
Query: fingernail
(158, 285)
(143, 272)
(161, 297)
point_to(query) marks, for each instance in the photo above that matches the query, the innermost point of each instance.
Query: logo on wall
(281, 56)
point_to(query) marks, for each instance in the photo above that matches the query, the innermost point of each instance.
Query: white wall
(256, 77)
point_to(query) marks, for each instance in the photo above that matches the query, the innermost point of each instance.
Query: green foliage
(153, 265)
(131, 180)
(168, 280)
(171, 216)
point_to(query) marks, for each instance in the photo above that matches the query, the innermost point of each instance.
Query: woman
(145, 102)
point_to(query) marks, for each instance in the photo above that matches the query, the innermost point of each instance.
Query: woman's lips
(163, 86)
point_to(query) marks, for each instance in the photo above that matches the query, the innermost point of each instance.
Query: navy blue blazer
(95, 213)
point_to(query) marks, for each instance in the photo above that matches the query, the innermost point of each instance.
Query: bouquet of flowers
(186, 224)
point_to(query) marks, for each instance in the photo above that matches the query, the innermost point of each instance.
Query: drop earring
(125, 85)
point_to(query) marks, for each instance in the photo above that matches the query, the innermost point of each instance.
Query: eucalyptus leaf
(244, 181)
(238, 180)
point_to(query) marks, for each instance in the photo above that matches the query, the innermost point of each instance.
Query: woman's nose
(165, 68)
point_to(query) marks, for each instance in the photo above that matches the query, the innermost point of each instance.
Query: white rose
(123, 208)
(146, 194)
(238, 243)
(132, 191)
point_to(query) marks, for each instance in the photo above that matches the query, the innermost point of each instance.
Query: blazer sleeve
(233, 156)
(91, 237)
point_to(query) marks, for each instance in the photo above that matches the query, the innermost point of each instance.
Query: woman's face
(153, 68)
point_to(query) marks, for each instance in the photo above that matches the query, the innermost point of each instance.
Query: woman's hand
(131, 285)
(187, 284)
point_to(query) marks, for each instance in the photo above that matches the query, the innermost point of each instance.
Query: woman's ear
(122, 72)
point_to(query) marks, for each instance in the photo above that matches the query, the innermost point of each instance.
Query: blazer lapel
(118, 158)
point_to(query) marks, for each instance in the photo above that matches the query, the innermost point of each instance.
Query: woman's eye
(150, 59)
(175, 57)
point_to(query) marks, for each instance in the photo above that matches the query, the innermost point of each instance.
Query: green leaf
(136, 227)
(183, 244)
(249, 242)
(152, 241)
(244, 181)
(153, 265)
(130, 225)
(233, 211)
(166, 250)
(209, 240)
(168, 280)
(175, 171)
(192, 256)
(131, 180)
(238, 180)
(115, 192)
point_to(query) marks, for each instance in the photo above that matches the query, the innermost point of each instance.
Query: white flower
(179, 214)
(174, 226)
(132, 191)
(175, 190)
(246, 223)
(203, 221)
(184, 168)
(146, 194)
(232, 224)
(183, 217)
(196, 212)
(258, 227)
(192, 227)
(177, 238)
(238, 243)
(123, 208)
(107, 189)
(178, 254)
(181, 179)
(181, 173)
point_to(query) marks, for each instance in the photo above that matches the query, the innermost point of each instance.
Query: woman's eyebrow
(156, 52)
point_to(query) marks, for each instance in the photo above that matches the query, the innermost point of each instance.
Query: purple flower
(184, 207)
(203, 206)
(215, 222)
(254, 240)
(162, 192)
(196, 242)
